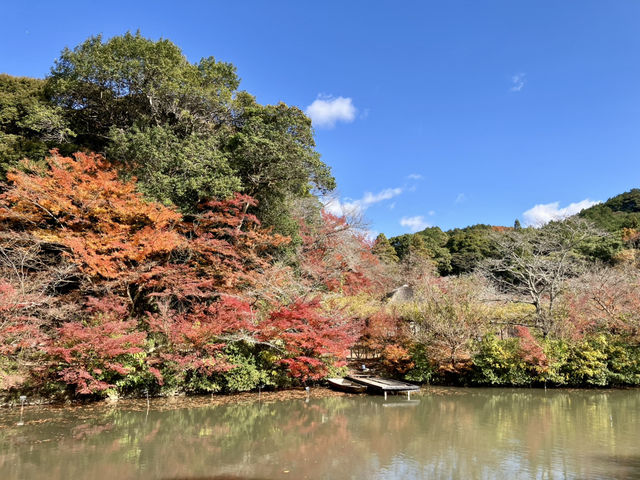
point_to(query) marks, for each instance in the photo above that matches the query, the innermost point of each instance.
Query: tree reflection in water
(450, 433)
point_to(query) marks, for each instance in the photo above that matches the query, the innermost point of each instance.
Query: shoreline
(160, 403)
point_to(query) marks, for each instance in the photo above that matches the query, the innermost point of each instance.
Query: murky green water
(442, 433)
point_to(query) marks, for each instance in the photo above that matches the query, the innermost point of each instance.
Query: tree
(469, 247)
(129, 81)
(607, 299)
(80, 203)
(430, 242)
(174, 168)
(192, 343)
(621, 211)
(309, 340)
(383, 249)
(29, 124)
(534, 265)
(337, 257)
(185, 130)
(225, 251)
(272, 149)
(516, 225)
(93, 355)
(447, 315)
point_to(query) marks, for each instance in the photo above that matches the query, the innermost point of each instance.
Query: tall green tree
(29, 124)
(383, 249)
(184, 129)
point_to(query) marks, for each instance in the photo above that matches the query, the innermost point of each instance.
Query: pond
(440, 433)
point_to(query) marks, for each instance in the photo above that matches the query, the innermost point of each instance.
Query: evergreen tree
(417, 246)
(384, 250)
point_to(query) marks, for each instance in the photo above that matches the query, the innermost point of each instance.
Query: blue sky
(442, 113)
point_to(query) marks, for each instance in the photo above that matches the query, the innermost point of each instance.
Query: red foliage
(530, 349)
(227, 250)
(309, 338)
(87, 355)
(194, 340)
(607, 300)
(337, 257)
(397, 359)
(143, 256)
(19, 330)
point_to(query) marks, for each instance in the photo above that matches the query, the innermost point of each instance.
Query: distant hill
(621, 211)
(460, 250)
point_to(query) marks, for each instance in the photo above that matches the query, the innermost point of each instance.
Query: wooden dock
(383, 385)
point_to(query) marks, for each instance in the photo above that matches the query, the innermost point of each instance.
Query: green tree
(432, 244)
(29, 124)
(183, 170)
(383, 249)
(184, 129)
(469, 247)
(273, 151)
(417, 246)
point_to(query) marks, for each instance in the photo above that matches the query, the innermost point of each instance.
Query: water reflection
(442, 433)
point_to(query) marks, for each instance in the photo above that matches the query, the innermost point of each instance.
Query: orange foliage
(81, 203)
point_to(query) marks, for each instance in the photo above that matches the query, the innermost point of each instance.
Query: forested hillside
(462, 249)
(616, 214)
(161, 231)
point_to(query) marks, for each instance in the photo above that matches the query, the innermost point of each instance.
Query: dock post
(409, 395)
(385, 395)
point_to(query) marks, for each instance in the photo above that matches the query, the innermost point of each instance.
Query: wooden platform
(380, 384)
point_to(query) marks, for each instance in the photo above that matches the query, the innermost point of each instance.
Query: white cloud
(325, 111)
(546, 212)
(415, 224)
(414, 176)
(386, 194)
(432, 213)
(517, 82)
(460, 198)
(357, 207)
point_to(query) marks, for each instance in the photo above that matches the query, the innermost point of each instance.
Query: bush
(499, 362)
(423, 370)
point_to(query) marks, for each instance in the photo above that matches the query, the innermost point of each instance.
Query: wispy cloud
(326, 111)
(460, 198)
(358, 206)
(414, 224)
(547, 212)
(414, 176)
(518, 81)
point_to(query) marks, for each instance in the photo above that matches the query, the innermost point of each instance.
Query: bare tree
(534, 264)
(35, 272)
(448, 314)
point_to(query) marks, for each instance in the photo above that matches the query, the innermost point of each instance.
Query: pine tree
(384, 250)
